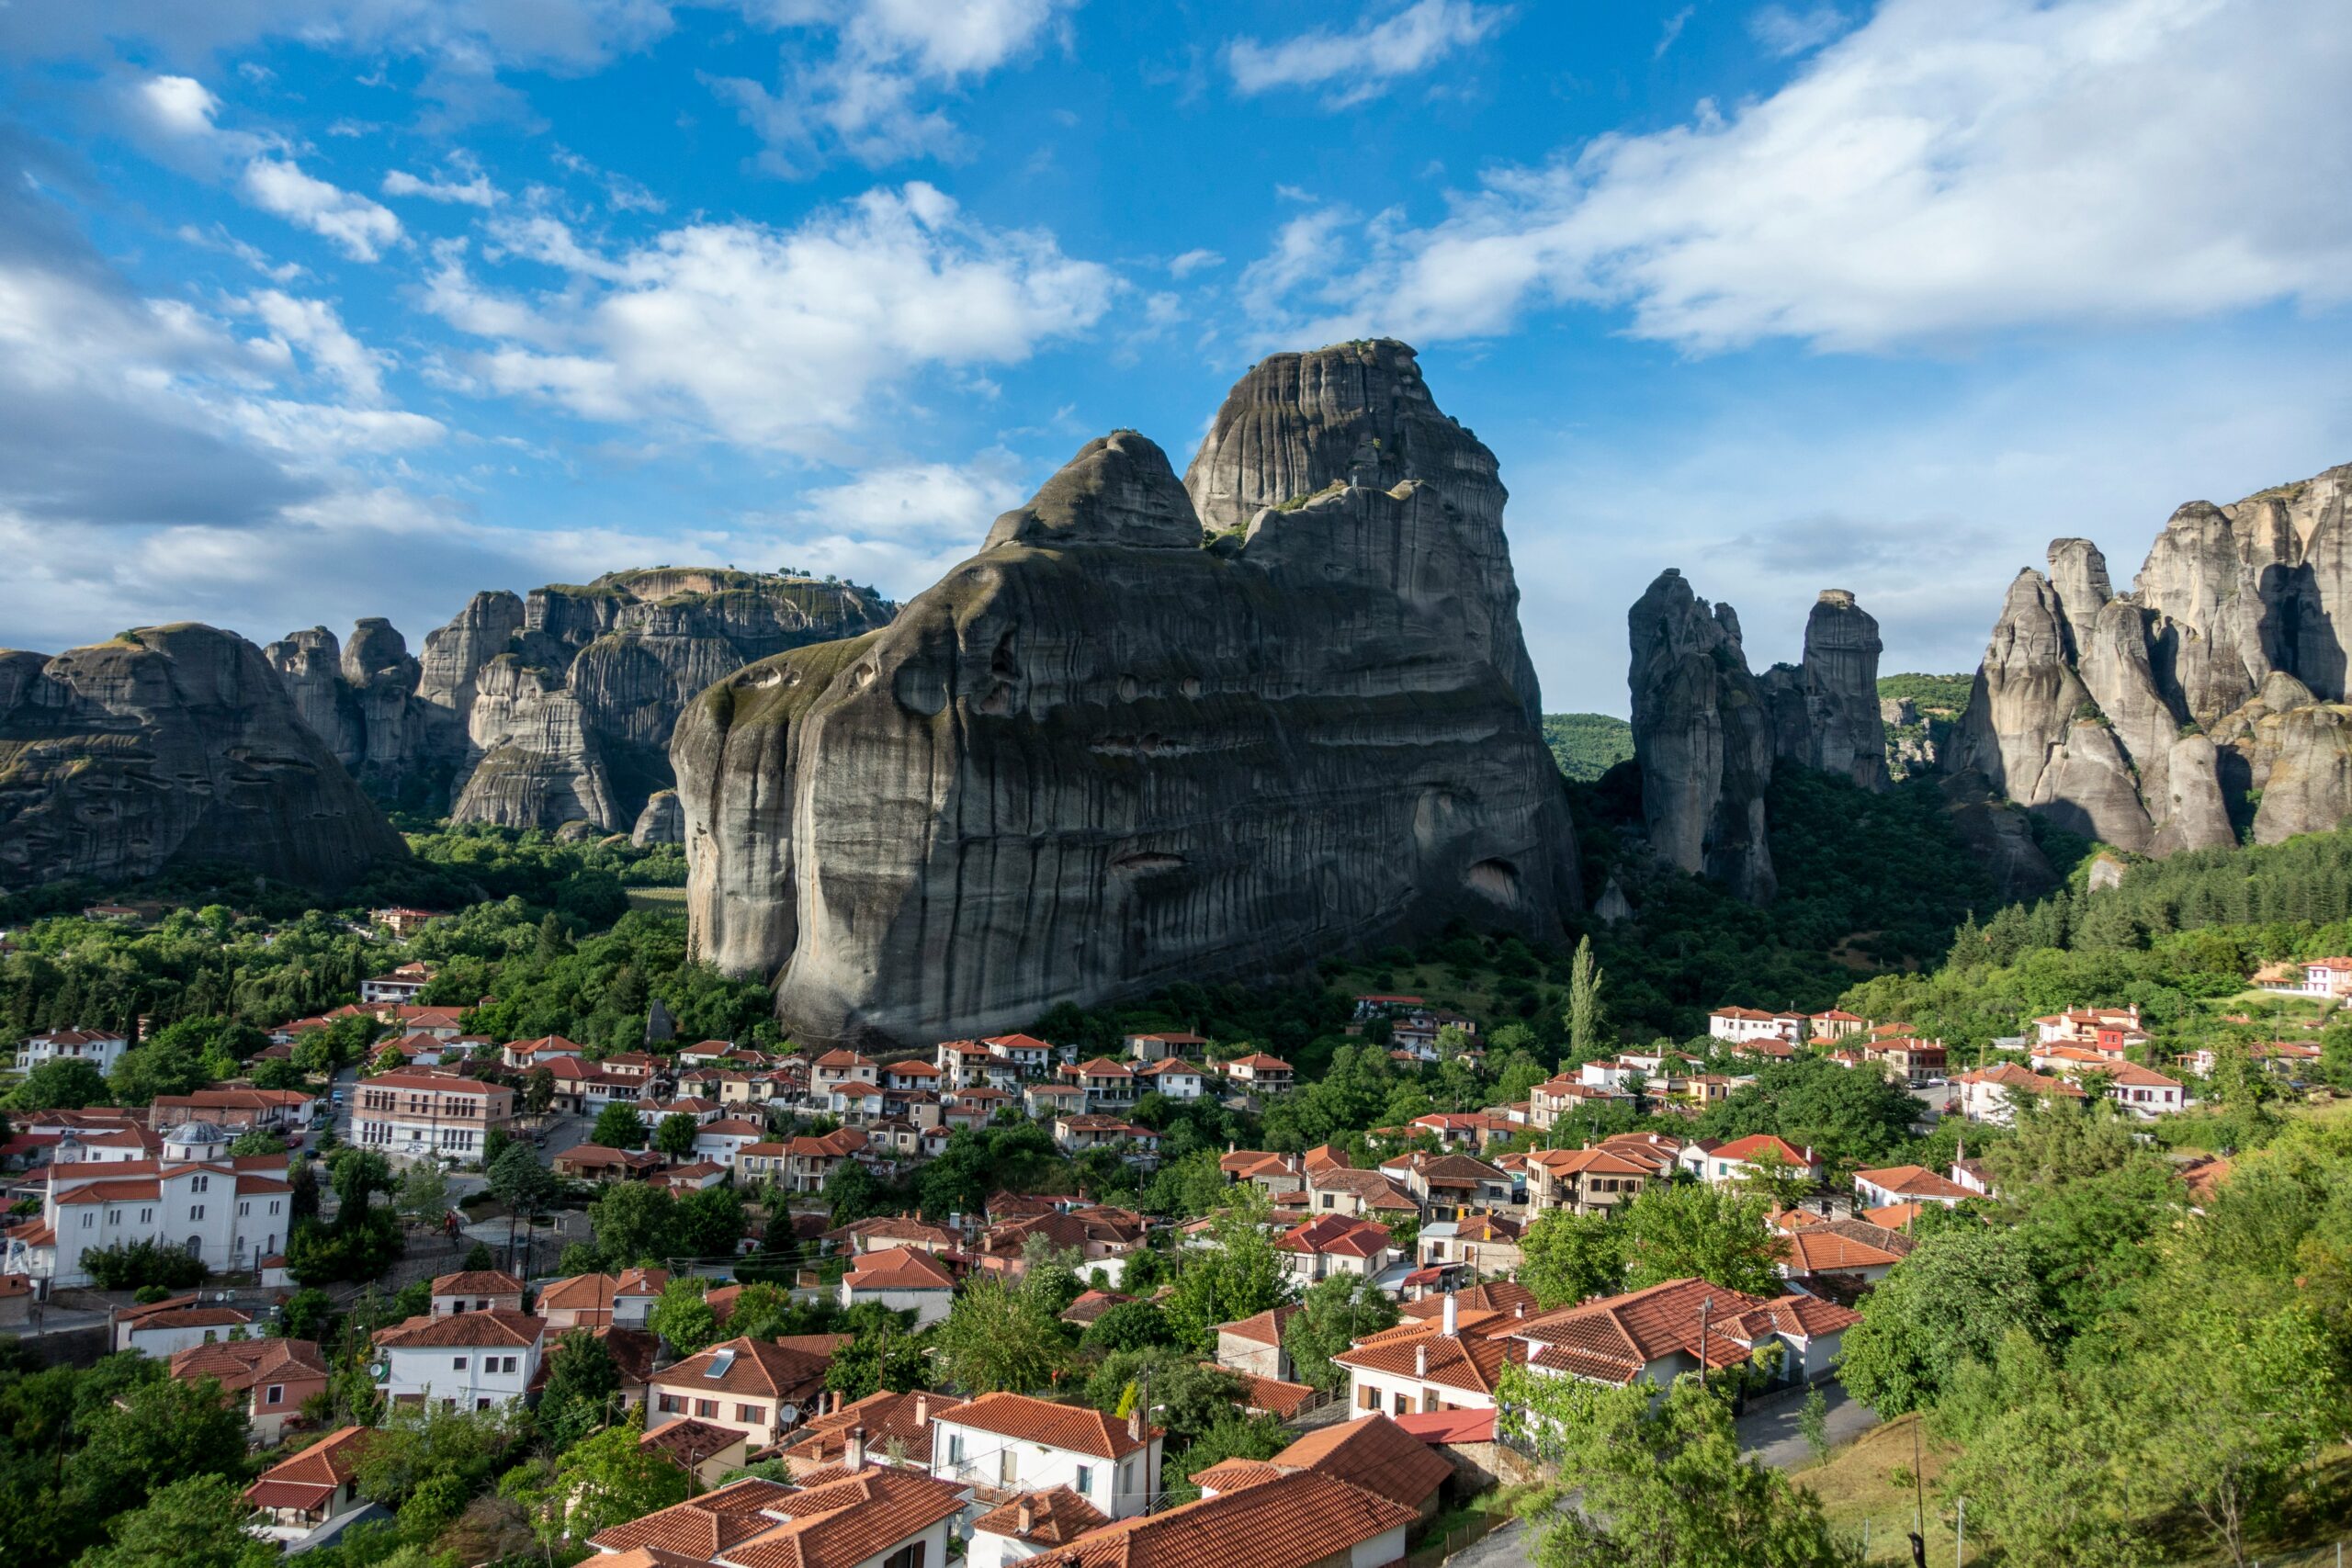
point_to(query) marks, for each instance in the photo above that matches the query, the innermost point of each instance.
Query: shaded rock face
(1098, 757)
(531, 711)
(2145, 718)
(173, 744)
(1707, 734)
(662, 822)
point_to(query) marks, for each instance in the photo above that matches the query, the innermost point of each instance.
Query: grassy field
(663, 900)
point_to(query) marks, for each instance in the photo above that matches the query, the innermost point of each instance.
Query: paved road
(1768, 1434)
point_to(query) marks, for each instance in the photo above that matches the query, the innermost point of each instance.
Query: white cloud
(781, 339)
(1784, 32)
(1192, 262)
(1942, 170)
(361, 228)
(959, 501)
(867, 100)
(1366, 60)
(475, 192)
(180, 104)
(1671, 31)
(314, 327)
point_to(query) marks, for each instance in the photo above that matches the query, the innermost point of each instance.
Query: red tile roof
(898, 1269)
(752, 1366)
(1073, 1427)
(499, 1325)
(478, 1283)
(1289, 1522)
(1374, 1453)
(905, 1418)
(1057, 1516)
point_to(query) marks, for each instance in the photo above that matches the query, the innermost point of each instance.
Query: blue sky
(312, 310)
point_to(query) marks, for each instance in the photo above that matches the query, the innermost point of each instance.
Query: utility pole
(1705, 1308)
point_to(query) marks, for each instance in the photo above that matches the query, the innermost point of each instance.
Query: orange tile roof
(701, 1527)
(1233, 1475)
(585, 1294)
(1290, 1521)
(1265, 1328)
(898, 1269)
(239, 1364)
(478, 1283)
(1505, 1297)
(846, 1522)
(1817, 1249)
(885, 1415)
(689, 1442)
(1274, 1396)
(1073, 1427)
(1057, 1516)
(1915, 1181)
(1467, 1359)
(304, 1480)
(753, 1366)
(1614, 1338)
(1374, 1453)
(499, 1325)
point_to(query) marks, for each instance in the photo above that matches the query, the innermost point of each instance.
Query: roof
(1915, 1181)
(1290, 1521)
(1072, 1427)
(906, 1417)
(2009, 1075)
(1264, 1329)
(898, 1268)
(1374, 1453)
(1337, 1236)
(1824, 1249)
(1464, 1361)
(850, 1520)
(478, 1283)
(580, 1293)
(688, 1443)
(1615, 1338)
(1259, 1062)
(1757, 1144)
(1507, 1297)
(498, 1325)
(304, 1479)
(1091, 1304)
(1272, 1395)
(240, 1364)
(1057, 1516)
(744, 1365)
(1449, 1425)
(701, 1527)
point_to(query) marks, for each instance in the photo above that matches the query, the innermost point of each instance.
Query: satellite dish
(787, 1414)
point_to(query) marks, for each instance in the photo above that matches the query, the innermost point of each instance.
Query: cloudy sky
(317, 309)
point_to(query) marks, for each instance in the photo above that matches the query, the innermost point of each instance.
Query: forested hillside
(1587, 745)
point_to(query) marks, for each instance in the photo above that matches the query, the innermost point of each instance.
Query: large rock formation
(1111, 751)
(1707, 734)
(531, 711)
(2153, 720)
(172, 745)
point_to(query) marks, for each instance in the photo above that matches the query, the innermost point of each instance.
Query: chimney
(1421, 1353)
(1027, 1517)
(854, 1460)
(1452, 1320)
(923, 1410)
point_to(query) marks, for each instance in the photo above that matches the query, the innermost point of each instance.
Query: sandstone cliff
(2155, 720)
(534, 710)
(1707, 733)
(1114, 750)
(171, 745)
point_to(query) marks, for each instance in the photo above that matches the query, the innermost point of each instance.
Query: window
(195, 1211)
(274, 1394)
(88, 1218)
(273, 1205)
(457, 1363)
(955, 1450)
(671, 1404)
(201, 1184)
(146, 1217)
(907, 1556)
(755, 1414)
(1008, 1466)
(1085, 1479)
(114, 1216)
(243, 1210)
(481, 1404)
(706, 1407)
(1404, 1405)
(1367, 1399)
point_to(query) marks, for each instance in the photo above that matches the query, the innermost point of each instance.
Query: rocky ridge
(534, 710)
(2208, 699)
(1708, 733)
(172, 745)
(1151, 732)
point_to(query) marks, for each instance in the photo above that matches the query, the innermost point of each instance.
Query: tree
(1681, 1229)
(618, 1126)
(538, 1091)
(582, 1389)
(1812, 1423)
(1332, 1315)
(1129, 1326)
(999, 1339)
(129, 1266)
(631, 1222)
(61, 1083)
(1954, 1299)
(423, 1195)
(419, 1445)
(708, 1223)
(197, 1522)
(1241, 1276)
(674, 1135)
(2040, 1456)
(158, 1433)
(1186, 1396)
(257, 1142)
(356, 1175)
(1567, 1257)
(1235, 1434)
(1584, 1016)
(308, 1312)
(884, 1356)
(608, 1480)
(1662, 1483)
(520, 1183)
(683, 1318)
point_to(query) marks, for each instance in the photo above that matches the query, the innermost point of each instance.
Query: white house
(468, 1360)
(1173, 1077)
(1991, 1094)
(96, 1046)
(409, 1116)
(720, 1141)
(230, 1213)
(904, 1278)
(1739, 1025)
(1029, 1524)
(1004, 1444)
(1656, 1335)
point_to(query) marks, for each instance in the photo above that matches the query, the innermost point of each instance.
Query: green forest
(1587, 745)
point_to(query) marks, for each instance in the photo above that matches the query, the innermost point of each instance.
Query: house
(895, 1427)
(227, 1210)
(580, 1301)
(1253, 1346)
(706, 1453)
(476, 1290)
(2290, 1057)
(1992, 1094)
(583, 1087)
(904, 1278)
(2329, 978)
(1173, 1077)
(1454, 1362)
(1025, 1053)
(269, 1379)
(2143, 1091)
(974, 1107)
(1374, 1454)
(1271, 1174)
(1150, 1048)
(1745, 1160)
(238, 1110)
(861, 1514)
(2081, 1026)
(1906, 1184)
(1260, 1074)
(1547, 1102)
(1835, 1024)
(595, 1162)
(408, 1116)
(1371, 1006)
(809, 1162)
(1907, 1059)
(1106, 1082)
(161, 1330)
(1837, 1259)
(1075, 1135)
(1586, 1181)
(1485, 1244)
(963, 1064)
(1738, 1024)
(1654, 1336)
(1047, 1101)
(1358, 1194)
(101, 1048)
(1000, 1445)
(1330, 1244)
(721, 1140)
(839, 1080)
(1445, 1185)
(305, 1498)
(912, 1073)
(403, 985)
(883, 1231)
(760, 1387)
(1029, 1524)
(522, 1056)
(1465, 1130)
(1103, 1237)
(468, 1360)
(1297, 1521)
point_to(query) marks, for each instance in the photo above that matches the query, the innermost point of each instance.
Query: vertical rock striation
(172, 745)
(1111, 751)
(2156, 719)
